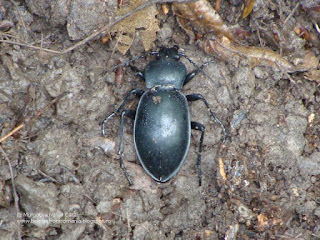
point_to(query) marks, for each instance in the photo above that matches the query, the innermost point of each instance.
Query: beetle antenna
(201, 67)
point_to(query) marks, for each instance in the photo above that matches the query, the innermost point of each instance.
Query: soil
(263, 183)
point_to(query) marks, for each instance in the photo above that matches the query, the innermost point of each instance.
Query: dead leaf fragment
(262, 222)
(143, 22)
(125, 40)
(221, 168)
(248, 6)
(165, 8)
(203, 17)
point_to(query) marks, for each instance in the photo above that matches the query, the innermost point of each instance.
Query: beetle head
(169, 53)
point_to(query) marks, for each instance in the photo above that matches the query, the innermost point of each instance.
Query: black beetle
(162, 126)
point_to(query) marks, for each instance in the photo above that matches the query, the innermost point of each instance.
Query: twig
(259, 37)
(292, 12)
(30, 120)
(128, 221)
(221, 169)
(30, 46)
(114, 49)
(14, 192)
(47, 176)
(90, 198)
(6, 34)
(100, 31)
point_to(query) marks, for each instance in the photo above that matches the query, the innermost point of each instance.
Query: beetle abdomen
(162, 131)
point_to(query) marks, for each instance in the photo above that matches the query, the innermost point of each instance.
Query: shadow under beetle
(162, 125)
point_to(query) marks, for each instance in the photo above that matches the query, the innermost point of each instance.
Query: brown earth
(271, 157)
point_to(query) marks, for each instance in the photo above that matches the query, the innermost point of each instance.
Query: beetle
(162, 125)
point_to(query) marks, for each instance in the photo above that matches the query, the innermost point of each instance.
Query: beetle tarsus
(199, 127)
(105, 122)
(125, 113)
(124, 169)
(138, 72)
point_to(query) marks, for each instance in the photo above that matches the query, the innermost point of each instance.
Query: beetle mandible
(162, 125)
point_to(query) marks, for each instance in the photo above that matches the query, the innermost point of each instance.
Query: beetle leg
(136, 92)
(131, 114)
(192, 74)
(137, 72)
(195, 97)
(199, 127)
